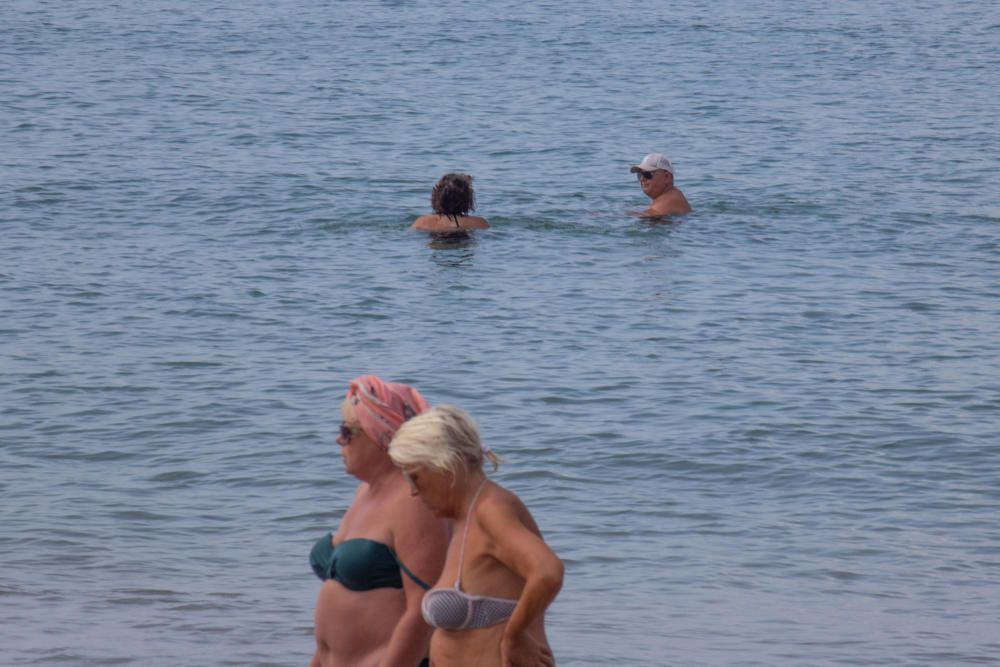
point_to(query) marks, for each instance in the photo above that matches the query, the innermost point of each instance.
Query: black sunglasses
(347, 433)
(644, 175)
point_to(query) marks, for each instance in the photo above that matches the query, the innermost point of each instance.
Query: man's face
(654, 183)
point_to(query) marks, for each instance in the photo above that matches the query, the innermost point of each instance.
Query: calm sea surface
(765, 434)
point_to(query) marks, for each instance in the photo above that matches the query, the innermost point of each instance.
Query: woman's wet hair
(452, 196)
(444, 438)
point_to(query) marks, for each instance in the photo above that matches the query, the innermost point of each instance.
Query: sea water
(765, 433)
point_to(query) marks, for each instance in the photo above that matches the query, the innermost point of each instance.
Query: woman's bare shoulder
(427, 222)
(474, 222)
(502, 506)
(433, 222)
(414, 523)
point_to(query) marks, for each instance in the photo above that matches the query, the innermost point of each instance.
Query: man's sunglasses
(348, 433)
(645, 175)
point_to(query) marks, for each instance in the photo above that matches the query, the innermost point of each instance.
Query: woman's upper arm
(516, 545)
(421, 541)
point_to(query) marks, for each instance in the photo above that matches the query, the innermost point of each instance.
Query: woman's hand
(523, 650)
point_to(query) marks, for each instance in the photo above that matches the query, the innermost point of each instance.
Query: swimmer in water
(656, 177)
(451, 199)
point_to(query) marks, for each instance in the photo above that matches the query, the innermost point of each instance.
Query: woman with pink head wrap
(376, 566)
(382, 407)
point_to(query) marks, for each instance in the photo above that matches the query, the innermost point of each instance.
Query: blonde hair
(445, 438)
(348, 412)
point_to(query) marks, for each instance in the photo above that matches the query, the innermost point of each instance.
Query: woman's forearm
(408, 644)
(538, 593)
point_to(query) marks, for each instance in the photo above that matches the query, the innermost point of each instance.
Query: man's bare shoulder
(670, 203)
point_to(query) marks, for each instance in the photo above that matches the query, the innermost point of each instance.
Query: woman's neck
(382, 478)
(467, 486)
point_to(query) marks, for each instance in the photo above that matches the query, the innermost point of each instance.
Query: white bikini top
(451, 609)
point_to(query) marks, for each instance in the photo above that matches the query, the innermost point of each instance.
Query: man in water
(656, 176)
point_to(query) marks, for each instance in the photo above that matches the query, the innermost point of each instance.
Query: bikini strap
(417, 580)
(465, 533)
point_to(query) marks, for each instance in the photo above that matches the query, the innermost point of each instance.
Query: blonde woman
(488, 606)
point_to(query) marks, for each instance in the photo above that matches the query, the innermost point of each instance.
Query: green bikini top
(359, 564)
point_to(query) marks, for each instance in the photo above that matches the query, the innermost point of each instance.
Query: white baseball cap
(652, 162)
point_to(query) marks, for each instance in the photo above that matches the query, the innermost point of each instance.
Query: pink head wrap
(382, 407)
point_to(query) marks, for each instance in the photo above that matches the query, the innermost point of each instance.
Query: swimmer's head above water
(656, 178)
(453, 195)
(452, 198)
